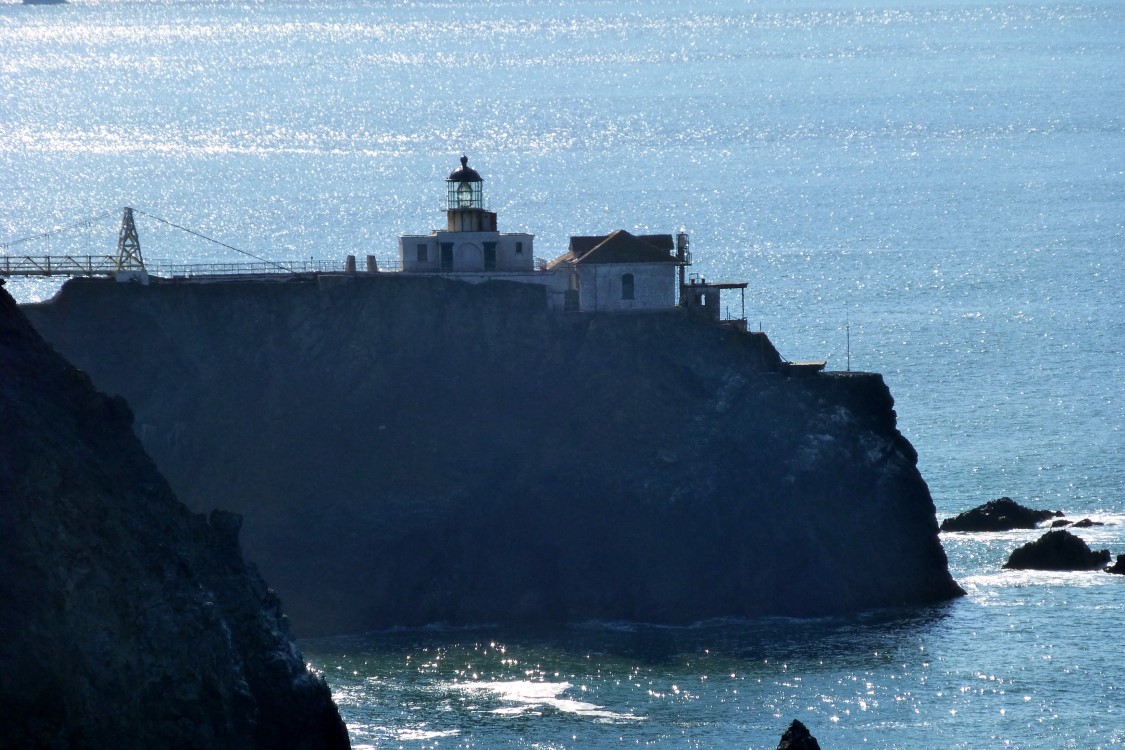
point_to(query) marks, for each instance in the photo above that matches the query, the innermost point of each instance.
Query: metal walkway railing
(57, 265)
(106, 265)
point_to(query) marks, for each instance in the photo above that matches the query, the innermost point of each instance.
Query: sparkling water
(932, 190)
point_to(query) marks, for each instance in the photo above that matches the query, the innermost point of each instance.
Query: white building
(617, 271)
(470, 242)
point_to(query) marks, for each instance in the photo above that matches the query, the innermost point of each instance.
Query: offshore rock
(1057, 550)
(455, 453)
(1085, 523)
(1004, 514)
(1118, 567)
(798, 737)
(127, 621)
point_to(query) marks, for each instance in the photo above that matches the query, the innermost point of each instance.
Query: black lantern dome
(464, 187)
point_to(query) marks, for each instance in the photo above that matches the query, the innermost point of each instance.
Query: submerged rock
(1003, 514)
(459, 453)
(1057, 550)
(127, 621)
(798, 737)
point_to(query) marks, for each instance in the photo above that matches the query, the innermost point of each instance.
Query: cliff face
(410, 450)
(126, 620)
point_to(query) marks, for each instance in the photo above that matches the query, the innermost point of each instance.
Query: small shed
(704, 298)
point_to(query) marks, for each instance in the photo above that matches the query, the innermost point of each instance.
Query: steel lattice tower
(129, 245)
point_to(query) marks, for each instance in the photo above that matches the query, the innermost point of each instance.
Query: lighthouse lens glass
(465, 195)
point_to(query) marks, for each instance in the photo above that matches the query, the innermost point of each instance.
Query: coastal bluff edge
(126, 620)
(410, 450)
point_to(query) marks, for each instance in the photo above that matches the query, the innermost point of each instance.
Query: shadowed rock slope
(127, 621)
(408, 450)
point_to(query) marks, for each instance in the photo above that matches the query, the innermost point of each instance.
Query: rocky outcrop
(1057, 550)
(1004, 514)
(798, 737)
(408, 450)
(126, 620)
(1085, 523)
(1118, 567)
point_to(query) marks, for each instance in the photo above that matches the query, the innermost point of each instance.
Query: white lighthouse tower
(470, 242)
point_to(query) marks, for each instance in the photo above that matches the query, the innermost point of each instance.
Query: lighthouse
(464, 208)
(470, 242)
(618, 271)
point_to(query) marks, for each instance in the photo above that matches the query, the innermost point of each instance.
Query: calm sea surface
(933, 190)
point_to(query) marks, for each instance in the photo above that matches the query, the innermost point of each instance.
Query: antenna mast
(683, 256)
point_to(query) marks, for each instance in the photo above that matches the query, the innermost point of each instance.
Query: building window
(519, 248)
(447, 256)
(490, 256)
(423, 254)
(627, 286)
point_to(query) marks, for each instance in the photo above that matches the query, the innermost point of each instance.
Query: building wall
(408, 253)
(701, 300)
(466, 252)
(601, 286)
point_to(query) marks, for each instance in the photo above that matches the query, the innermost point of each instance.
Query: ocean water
(931, 189)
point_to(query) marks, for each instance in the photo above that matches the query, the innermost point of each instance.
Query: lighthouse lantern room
(466, 187)
(465, 201)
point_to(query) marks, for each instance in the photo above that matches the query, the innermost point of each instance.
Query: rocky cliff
(127, 621)
(411, 450)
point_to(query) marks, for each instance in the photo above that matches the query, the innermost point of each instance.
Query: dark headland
(127, 621)
(409, 450)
